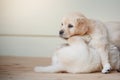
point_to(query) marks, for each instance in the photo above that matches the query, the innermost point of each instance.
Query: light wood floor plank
(21, 68)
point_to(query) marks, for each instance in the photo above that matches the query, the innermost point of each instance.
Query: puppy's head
(73, 24)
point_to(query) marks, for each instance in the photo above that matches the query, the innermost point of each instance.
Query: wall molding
(27, 35)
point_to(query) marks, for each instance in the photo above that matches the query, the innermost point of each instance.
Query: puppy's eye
(70, 26)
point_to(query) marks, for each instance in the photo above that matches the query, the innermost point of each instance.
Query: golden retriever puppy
(101, 33)
(77, 57)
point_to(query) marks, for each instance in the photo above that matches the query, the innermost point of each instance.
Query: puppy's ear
(82, 26)
(81, 20)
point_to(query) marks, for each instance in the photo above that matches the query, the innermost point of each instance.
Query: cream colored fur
(78, 57)
(82, 55)
(101, 33)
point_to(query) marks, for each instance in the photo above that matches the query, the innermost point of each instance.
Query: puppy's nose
(61, 32)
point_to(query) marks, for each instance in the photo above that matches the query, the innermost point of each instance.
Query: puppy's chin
(65, 38)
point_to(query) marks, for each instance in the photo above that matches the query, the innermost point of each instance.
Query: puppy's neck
(77, 39)
(74, 40)
(87, 38)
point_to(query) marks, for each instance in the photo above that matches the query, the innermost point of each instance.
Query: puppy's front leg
(51, 69)
(105, 60)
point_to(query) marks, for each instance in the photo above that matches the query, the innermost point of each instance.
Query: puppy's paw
(106, 69)
(38, 69)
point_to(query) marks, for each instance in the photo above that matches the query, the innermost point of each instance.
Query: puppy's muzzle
(61, 32)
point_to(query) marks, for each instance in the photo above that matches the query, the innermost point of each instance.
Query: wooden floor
(21, 68)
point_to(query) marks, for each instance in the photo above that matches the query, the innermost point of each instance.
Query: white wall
(28, 46)
(42, 17)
